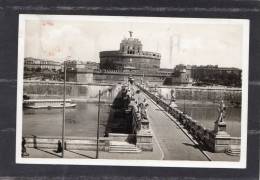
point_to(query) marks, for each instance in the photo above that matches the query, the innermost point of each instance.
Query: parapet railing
(224, 88)
(148, 54)
(71, 143)
(235, 140)
(205, 137)
(61, 83)
(134, 73)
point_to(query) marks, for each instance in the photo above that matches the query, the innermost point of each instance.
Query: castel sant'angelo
(129, 60)
(130, 56)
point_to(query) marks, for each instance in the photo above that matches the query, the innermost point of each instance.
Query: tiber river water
(82, 121)
(206, 113)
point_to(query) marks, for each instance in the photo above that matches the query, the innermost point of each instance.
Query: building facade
(41, 69)
(34, 63)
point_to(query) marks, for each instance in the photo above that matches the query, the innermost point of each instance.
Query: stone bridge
(217, 140)
(140, 120)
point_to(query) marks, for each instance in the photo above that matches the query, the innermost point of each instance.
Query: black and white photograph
(132, 91)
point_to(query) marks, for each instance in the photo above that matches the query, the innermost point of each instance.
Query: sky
(179, 42)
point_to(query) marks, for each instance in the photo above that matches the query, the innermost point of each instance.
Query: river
(82, 121)
(206, 113)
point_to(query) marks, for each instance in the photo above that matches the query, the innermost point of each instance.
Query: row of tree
(217, 76)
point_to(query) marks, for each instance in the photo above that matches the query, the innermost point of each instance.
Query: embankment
(212, 94)
(42, 89)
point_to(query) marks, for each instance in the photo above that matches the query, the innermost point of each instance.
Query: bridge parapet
(217, 140)
(71, 143)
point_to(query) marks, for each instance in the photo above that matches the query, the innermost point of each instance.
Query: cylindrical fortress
(130, 56)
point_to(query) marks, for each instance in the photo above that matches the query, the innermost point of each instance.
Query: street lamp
(64, 106)
(97, 150)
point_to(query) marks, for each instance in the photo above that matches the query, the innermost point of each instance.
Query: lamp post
(63, 120)
(97, 149)
(184, 104)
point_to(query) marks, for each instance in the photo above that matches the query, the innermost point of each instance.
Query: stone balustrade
(71, 143)
(215, 141)
(235, 140)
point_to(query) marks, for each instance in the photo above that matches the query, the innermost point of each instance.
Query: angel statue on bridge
(173, 99)
(143, 109)
(222, 112)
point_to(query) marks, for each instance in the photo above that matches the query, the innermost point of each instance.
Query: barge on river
(47, 103)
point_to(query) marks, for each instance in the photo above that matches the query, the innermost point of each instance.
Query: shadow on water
(118, 120)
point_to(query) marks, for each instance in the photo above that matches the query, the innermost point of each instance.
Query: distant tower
(174, 48)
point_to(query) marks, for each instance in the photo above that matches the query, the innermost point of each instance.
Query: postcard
(132, 91)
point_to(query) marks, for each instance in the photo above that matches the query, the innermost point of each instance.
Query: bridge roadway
(174, 144)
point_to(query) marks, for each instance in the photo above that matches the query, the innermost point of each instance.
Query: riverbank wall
(51, 89)
(207, 94)
(41, 89)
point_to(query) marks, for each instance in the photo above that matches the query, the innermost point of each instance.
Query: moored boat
(47, 103)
